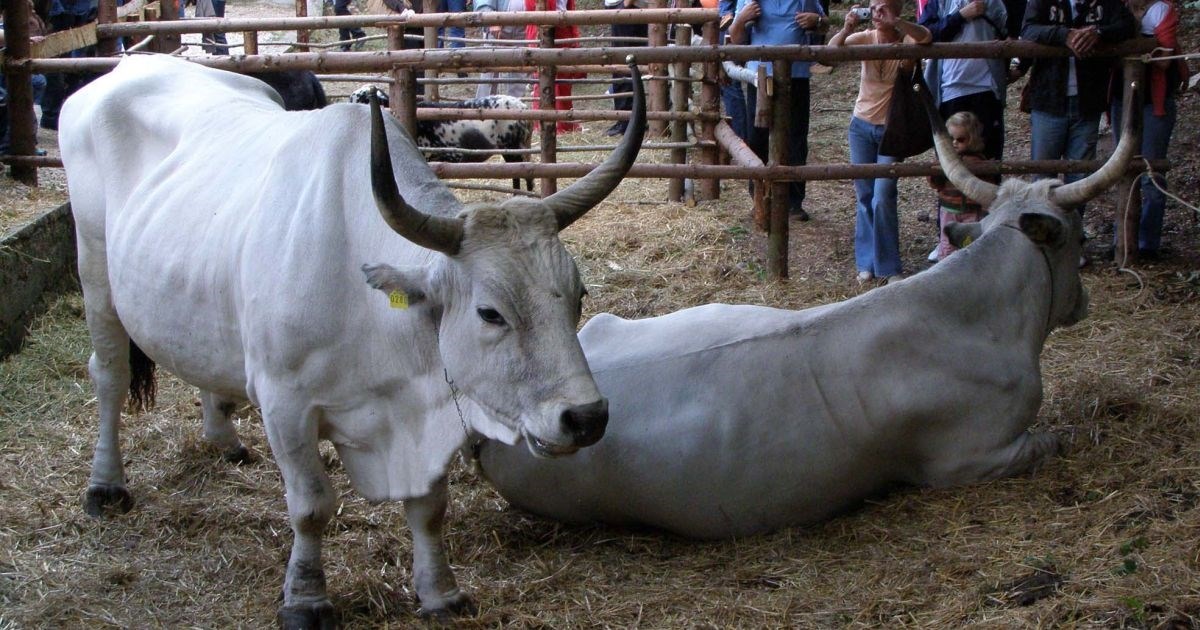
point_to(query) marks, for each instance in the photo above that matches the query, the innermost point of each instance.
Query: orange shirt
(876, 81)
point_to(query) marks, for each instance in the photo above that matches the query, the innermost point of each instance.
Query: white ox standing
(727, 421)
(211, 239)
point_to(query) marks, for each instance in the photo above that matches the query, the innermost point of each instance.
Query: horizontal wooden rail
(529, 57)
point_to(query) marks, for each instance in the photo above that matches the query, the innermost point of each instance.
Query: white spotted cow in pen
(488, 135)
(333, 295)
(728, 421)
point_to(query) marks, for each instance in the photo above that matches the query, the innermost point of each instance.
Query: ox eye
(490, 316)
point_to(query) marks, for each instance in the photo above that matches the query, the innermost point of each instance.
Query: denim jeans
(876, 226)
(453, 6)
(758, 137)
(342, 7)
(1156, 137)
(734, 99)
(1069, 137)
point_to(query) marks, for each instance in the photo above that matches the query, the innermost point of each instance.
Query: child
(953, 206)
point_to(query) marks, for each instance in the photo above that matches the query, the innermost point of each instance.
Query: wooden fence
(672, 99)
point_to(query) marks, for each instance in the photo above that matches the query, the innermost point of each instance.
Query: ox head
(508, 296)
(1044, 210)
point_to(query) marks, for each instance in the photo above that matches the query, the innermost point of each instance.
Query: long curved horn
(573, 201)
(1078, 192)
(952, 165)
(441, 234)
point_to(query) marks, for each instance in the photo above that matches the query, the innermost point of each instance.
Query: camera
(862, 13)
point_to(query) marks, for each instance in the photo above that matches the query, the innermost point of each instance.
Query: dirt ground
(1106, 536)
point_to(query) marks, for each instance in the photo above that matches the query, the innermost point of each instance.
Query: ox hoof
(239, 456)
(308, 616)
(101, 499)
(460, 605)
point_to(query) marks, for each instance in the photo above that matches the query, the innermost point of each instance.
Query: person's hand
(973, 9)
(808, 21)
(1082, 41)
(495, 30)
(749, 13)
(851, 18)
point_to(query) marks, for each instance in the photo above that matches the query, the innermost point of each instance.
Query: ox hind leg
(1028, 452)
(218, 427)
(515, 158)
(292, 433)
(432, 577)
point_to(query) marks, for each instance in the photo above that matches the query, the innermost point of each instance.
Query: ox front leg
(432, 578)
(1025, 454)
(310, 502)
(219, 430)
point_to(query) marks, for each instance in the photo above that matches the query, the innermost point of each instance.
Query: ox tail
(141, 385)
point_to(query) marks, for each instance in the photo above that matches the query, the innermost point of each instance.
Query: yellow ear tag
(967, 241)
(398, 299)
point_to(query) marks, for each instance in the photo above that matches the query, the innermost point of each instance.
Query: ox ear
(1042, 229)
(962, 234)
(405, 286)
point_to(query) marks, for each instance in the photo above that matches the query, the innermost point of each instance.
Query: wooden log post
(1129, 193)
(546, 101)
(22, 124)
(710, 103)
(402, 93)
(431, 43)
(781, 110)
(762, 118)
(168, 11)
(106, 13)
(680, 93)
(301, 12)
(250, 42)
(657, 89)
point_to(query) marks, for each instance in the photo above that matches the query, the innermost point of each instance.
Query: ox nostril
(586, 423)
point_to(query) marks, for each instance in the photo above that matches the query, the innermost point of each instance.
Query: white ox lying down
(254, 289)
(727, 421)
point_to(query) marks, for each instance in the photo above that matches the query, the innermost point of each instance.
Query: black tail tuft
(141, 386)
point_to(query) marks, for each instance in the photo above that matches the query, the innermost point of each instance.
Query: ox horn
(573, 201)
(431, 232)
(952, 165)
(1078, 192)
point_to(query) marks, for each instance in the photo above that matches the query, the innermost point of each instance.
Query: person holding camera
(781, 23)
(877, 227)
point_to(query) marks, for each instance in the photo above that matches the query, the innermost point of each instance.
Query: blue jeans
(876, 226)
(1156, 137)
(453, 6)
(734, 99)
(1069, 137)
(758, 138)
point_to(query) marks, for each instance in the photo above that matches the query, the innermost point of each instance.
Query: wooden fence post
(431, 43)
(250, 42)
(710, 103)
(681, 89)
(402, 93)
(547, 103)
(1129, 193)
(657, 87)
(106, 13)
(168, 11)
(781, 115)
(302, 11)
(22, 124)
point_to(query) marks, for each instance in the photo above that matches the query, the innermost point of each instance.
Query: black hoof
(320, 615)
(459, 606)
(239, 456)
(101, 499)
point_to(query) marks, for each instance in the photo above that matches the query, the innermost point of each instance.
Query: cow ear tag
(398, 299)
(966, 241)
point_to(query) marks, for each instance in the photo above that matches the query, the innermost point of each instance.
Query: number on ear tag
(398, 299)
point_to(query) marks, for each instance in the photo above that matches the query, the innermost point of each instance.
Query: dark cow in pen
(468, 134)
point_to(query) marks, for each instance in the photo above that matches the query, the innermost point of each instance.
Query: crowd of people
(1065, 97)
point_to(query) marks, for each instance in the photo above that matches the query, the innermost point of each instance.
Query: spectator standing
(562, 89)
(65, 15)
(781, 23)
(967, 135)
(622, 83)
(342, 7)
(1067, 95)
(458, 32)
(969, 85)
(733, 97)
(1158, 19)
(876, 227)
(520, 87)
